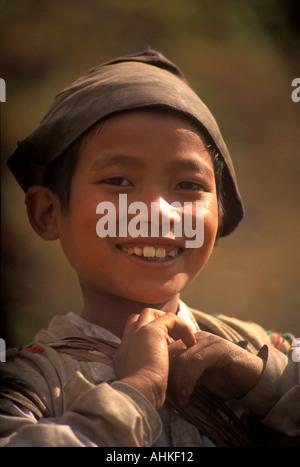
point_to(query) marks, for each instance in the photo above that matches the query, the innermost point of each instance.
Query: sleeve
(95, 415)
(276, 397)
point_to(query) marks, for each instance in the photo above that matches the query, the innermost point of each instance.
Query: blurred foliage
(241, 58)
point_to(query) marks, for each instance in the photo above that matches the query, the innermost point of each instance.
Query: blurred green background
(241, 57)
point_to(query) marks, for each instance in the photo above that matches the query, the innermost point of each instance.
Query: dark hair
(58, 175)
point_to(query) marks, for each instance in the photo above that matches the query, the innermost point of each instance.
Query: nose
(166, 218)
(167, 212)
(161, 217)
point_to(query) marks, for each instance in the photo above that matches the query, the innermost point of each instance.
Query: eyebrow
(196, 165)
(116, 159)
(193, 165)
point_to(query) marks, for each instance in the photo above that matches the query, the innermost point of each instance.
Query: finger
(189, 366)
(176, 328)
(130, 325)
(193, 372)
(147, 315)
(182, 331)
(168, 323)
(176, 347)
(138, 320)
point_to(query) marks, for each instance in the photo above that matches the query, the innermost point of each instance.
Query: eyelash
(197, 186)
(119, 181)
(110, 181)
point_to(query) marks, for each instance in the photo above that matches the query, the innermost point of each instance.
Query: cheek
(211, 223)
(91, 257)
(210, 218)
(211, 227)
(202, 254)
(78, 236)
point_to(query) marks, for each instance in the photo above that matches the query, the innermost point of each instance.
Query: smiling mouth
(152, 252)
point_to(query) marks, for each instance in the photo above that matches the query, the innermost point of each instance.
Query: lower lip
(153, 264)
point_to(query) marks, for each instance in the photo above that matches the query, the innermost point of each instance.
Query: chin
(156, 295)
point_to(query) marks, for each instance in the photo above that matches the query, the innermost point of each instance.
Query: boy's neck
(112, 313)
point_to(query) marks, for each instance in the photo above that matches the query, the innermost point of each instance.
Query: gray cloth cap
(131, 82)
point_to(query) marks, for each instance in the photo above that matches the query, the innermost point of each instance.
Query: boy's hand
(143, 358)
(223, 367)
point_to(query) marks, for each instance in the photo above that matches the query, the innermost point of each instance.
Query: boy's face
(150, 157)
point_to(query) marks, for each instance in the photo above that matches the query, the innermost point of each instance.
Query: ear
(43, 208)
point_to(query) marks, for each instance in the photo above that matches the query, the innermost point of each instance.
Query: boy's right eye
(117, 181)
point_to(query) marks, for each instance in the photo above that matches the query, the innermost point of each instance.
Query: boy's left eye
(189, 186)
(117, 181)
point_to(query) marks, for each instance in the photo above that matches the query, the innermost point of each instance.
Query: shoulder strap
(87, 348)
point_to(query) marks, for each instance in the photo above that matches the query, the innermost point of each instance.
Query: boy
(138, 368)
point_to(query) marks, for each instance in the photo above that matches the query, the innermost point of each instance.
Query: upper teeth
(149, 251)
